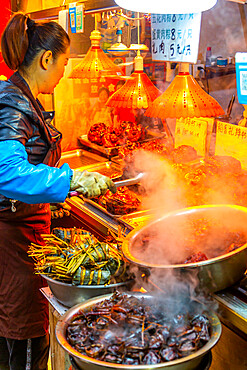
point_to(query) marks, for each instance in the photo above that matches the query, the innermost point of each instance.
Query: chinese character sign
(192, 132)
(231, 140)
(175, 37)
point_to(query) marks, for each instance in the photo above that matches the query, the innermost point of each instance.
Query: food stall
(191, 159)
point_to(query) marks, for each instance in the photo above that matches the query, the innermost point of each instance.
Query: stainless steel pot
(190, 362)
(214, 274)
(70, 295)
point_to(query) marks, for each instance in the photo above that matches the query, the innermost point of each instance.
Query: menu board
(193, 132)
(175, 37)
(231, 140)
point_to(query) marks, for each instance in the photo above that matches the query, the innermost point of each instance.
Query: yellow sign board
(195, 132)
(231, 140)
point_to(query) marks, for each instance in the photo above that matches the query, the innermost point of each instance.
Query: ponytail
(14, 42)
(23, 39)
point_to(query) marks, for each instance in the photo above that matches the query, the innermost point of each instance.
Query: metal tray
(104, 210)
(113, 151)
(138, 219)
(78, 158)
(110, 169)
(101, 209)
(70, 295)
(100, 148)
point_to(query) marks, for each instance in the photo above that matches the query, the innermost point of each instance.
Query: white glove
(91, 184)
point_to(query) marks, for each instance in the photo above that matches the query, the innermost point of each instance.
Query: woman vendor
(29, 180)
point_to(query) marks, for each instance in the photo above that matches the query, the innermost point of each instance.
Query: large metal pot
(70, 295)
(190, 362)
(213, 274)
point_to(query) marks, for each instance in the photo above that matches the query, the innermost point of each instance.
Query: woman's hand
(91, 184)
(59, 210)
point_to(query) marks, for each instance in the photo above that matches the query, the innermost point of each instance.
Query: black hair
(23, 39)
(103, 88)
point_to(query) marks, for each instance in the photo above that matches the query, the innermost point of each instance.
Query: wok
(70, 295)
(213, 274)
(190, 362)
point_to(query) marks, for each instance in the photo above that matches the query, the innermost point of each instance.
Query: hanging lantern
(137, 92)
(96, 69)
(141, 47)
(184, 98)
(118, 49)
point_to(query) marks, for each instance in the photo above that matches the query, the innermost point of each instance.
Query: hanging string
(95, 22)
(138, 28)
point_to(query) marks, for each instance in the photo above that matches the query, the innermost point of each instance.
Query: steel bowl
(71, 295)
(213, 274)
(190, 362)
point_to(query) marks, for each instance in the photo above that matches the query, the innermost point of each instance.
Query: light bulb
(166, 6)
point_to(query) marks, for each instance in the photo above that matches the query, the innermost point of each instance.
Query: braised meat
(183, 154)
(122, 202)
(109, 137)
(223, 165)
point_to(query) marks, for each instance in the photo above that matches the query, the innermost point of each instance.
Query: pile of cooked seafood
(126, 330)
(122, 202)
(196, 240)
(213, 180)
(126, 201)
(217, 179)
(164, 147)
(101, 134)
(76, 257)
(224, 242)
(159, 146)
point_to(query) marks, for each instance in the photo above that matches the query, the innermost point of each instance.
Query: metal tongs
(128, 182)
(132, 181)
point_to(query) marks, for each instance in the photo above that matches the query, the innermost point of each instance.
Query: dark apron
(23, 308)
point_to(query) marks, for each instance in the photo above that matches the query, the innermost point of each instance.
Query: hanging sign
(192, 132)
(80, 18)
(231, 140)
(72, 17)
(175, 37)
(63, 19)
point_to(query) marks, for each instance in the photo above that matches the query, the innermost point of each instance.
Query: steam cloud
(171, 240)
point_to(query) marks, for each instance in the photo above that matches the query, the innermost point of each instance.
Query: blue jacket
(28, 147)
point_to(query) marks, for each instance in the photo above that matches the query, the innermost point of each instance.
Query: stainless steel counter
(80, 158)
(233, 307)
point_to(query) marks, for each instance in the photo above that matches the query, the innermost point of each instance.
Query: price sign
(175, 37)
(210, 124)
(193, 132)
(232, 140)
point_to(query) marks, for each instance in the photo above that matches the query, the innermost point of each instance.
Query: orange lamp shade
(137, 92)
(184, 98)
(96, 63)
